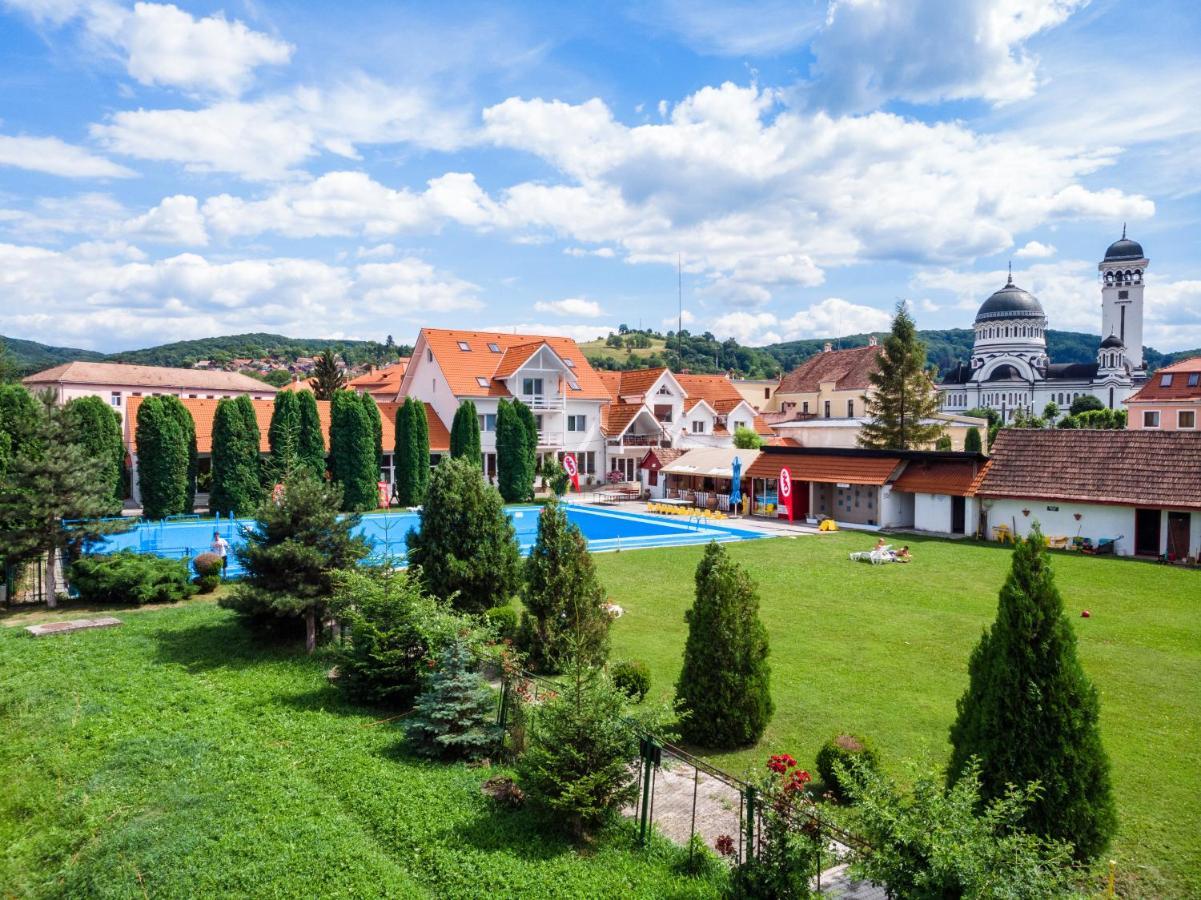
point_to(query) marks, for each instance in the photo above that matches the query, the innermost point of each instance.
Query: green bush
(207, 564)
(129, 577)
(208, 583)
(841, 750)
(633, 678)
(504, 620)
(455, 716)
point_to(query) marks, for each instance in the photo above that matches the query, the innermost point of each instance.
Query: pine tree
(299, 541)
(237, 487)
(1031, 714)
(174, 407)
(971, 441)
(283, 436)
(162, 460)
(96, 427)
(20, 416)
(514, 464)
(564, 600)
(53, 477)
(328, 376)
(465, 435)
(466, 547)
(455, 716)
(377, 426)
(902, 393)
(352, 453)
(529, 426)
(724, 690)
(310, 442)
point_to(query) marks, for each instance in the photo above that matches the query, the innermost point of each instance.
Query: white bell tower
(1122, 275)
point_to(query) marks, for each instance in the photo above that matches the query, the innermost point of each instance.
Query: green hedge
(129, 577)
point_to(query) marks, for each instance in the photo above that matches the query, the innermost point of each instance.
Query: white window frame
(698, 426)
(577, 422)
(114, 398)
(535, 386)
(464, 347)
(487, 419)
(481, 381)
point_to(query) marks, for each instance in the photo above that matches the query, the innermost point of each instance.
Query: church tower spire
(1122, 277)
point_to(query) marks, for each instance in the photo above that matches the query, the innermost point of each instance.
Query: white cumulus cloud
(55, 157)
(1034, 250)
(570, 306)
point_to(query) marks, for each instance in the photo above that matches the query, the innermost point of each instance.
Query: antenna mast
(680, 322)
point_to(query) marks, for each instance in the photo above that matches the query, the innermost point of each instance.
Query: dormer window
(464, 346)
(495, 348)
(570, 363)
(1194, 378)
(481, 381)
(1165, 380)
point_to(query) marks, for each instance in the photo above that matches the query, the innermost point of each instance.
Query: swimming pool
(604, 529)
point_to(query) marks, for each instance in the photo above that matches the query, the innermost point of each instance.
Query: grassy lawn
(174, 757)
(883, 650)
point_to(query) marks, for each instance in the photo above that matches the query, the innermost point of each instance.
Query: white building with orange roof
(549, 374)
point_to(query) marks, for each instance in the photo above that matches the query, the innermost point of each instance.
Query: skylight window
(1193, 378)
(495, 348)
(464, 346)
(1166, 380)
(481, 380)
(575, 387)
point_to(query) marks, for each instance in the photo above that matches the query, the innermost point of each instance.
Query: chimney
(872, 342)
(828, 347)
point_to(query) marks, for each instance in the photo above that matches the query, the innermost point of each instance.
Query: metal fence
(683, 797)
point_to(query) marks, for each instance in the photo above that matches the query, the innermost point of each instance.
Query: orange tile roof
(462, 368)
(937, 477)
(978, 480)
(848, 369)
(205, 411)
(1192, 364)
(616, 417)
(383, 382)
(1179, 389)
(848, 469)
(713, 389)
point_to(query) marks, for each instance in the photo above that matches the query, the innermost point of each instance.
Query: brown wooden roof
(834, 468)
(1134, 468)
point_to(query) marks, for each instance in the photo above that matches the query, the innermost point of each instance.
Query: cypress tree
(237, 488)
(529, 426)
(174, 406)
(96, 427)
(1031, 714)
(377, 426)
(310, 443)
(283, 436)
(902, 393)
(564, 601)
(971, 441)
(514, 474)
(724, 691)
(455, 716)
(408, 463)
(465, 435)
(162, 460)
(421, 427)
(352, 452)
(466, 547)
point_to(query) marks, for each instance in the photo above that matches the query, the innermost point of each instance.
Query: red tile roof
(463, 368)
(1134, 468)
(836, 468)
(937, 477)
(1179, 389)
(633, 382)
(848, 369)
(382, 383)
(128, 375)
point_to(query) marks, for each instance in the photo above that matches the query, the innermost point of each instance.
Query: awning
(711, 462)
(833, 468)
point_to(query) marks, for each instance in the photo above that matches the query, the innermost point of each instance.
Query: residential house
(118, 383)
(382, 382)
(829, 385)
(758, 392)
(1140, 488)
(1170, 400)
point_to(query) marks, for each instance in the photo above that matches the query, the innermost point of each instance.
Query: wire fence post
(750, 821)
(502, 714)
(647, 746)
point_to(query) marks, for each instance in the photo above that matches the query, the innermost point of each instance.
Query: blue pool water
(603, 528)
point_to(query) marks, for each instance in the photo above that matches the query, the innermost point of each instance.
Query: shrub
(504, 621)
(632, 678)
(129, 577)
(456, 713)
(207, 564)
(840, 750)
(788, 854)
(208, 583)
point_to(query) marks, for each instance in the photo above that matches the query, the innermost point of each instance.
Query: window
(1165, 380)
(698, 426)
(767, 393)
(805, 407)
(115, 398)
(429, 354)
(1193, 378)
(570, 363)
(577, 423)
(464, 346)
(487, 421)
(481, 381)
(495, 348)
(1151, 418)
(827, 409)
(137, 394)
(575, 387)
(194, 396)
(538, 424)
(1186, 418)
(531, 386)
(1123, 295)
(850, 409)
(663, 412)
(664, 390)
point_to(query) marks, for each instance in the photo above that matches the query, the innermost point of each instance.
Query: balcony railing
(640, 440)
(542, 401)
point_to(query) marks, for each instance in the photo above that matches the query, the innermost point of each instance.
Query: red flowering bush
(789, 852)
(724, 845)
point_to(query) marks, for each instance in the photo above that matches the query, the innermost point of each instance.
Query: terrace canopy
(704, 475)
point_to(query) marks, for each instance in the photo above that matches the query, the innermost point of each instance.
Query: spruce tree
(514, 465)
(283, 436)
(328, 376)
(352, 453)
(162, 460)
(20, 416)
(1031, 714)
(377, 426)
(465, 434)
(237, 486)
(310, 442)
(299, 541)
(455, 716)
(96, 427)
(902, 393)
(724, 689)
(174, 406)
(466, 547)
(564, 601)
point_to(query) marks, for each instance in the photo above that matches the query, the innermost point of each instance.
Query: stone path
(71, 625)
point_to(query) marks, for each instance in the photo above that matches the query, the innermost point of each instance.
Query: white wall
(896, 508)
(1096, 521)
(932, 512)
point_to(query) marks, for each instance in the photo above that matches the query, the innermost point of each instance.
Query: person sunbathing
(880, 544)
(902, 555)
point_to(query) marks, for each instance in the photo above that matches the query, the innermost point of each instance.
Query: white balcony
(542, 401)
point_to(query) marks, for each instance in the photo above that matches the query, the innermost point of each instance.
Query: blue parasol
(736, 483)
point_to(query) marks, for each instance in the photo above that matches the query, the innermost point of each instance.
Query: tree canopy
(237, 477)
(352, 452)
(162, 446)
(328, 376)
(902, 397)
(412, 453)
(465, 434)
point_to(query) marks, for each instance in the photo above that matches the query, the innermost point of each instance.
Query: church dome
(1112, 342)
(1011, 302)
(1004, 372)
(1124, 249)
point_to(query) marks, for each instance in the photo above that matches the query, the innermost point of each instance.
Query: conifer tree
(465, 434)
(514, 466)
(724, 690)
(412, 453)
(96, 427)
(328, 376)
(20, 416)
(902, 393)
(352, 452)
(310, 442)
(466, 547)
(529, 426)
(237, 487)
(162, 460)
(455, 716)
(377, 426)
(422, 430)
(1031, 714)
(283, 436)
(564, 601)
(971, 441)
(174, 406)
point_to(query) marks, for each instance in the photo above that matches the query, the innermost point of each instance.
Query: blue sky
(357, 170)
